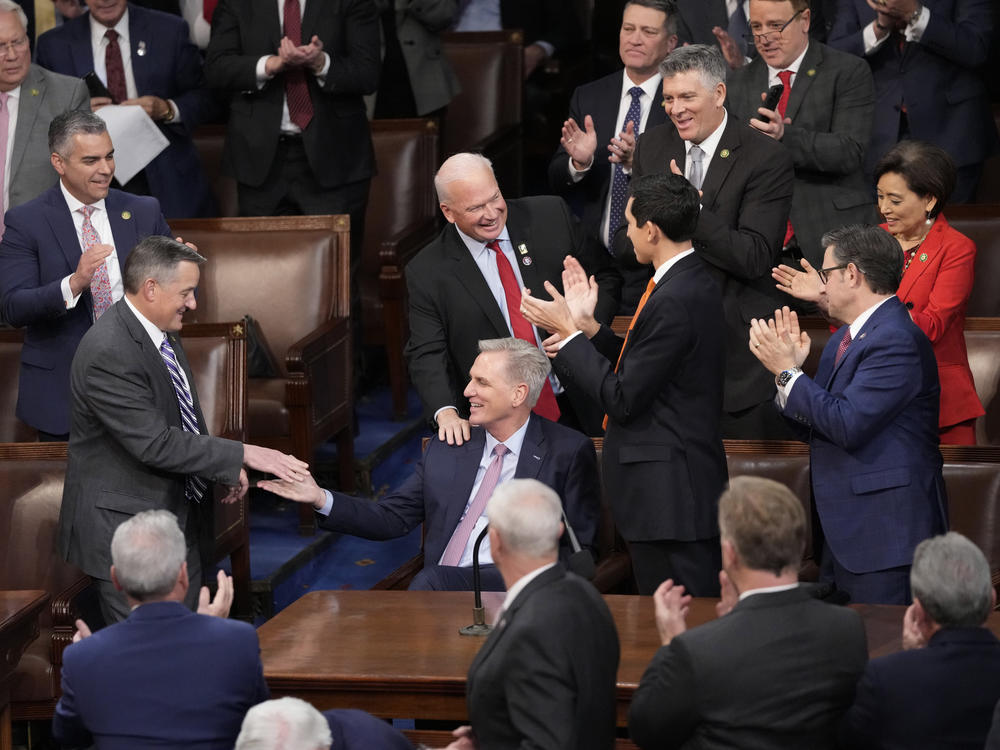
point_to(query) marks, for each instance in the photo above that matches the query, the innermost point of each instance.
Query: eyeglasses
(824, 272)
(13, 48)
(766, 36)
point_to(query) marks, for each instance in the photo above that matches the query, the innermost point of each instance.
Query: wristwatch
(785, 376)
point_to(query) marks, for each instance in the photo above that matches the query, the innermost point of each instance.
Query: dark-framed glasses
(824, 273)
(765, 37)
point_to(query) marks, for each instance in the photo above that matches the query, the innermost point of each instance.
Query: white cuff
(67, 293)
(328, 505)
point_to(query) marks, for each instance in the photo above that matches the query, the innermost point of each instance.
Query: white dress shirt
(708, 146)
(102, 226)
(913, 32)
(13, 99)
(156, 336)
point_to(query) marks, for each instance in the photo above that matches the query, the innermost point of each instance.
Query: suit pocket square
(877, 481)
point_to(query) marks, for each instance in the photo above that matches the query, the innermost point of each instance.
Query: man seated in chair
(449, 490)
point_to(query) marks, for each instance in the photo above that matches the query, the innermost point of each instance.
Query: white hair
(9, 6)
(526, 514)
(461, 166)
(147, 551)
(284, 724)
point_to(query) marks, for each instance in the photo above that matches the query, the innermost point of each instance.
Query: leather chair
(12, 429)
(486, 115)
(209, 140)
(982, 341)
(988, 190)
(400, 219)
(981, 224)
(291, 274)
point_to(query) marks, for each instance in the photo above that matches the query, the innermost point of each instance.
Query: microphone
(581, 561)
(478, 626)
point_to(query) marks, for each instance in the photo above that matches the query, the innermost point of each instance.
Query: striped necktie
(194, 487)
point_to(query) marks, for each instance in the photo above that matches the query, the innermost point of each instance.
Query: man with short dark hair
(61, 260)
(452, 483)
(939, 692)
(661, 388)
(138, 440)
(167, 677)
(870, 416)
(777, 669)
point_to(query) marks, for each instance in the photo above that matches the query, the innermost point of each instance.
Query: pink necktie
(460, 539)
(844, 343)
(4, 126)
(100, 284)
(300, 108)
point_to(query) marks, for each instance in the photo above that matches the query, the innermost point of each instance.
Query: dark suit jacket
(40, 248)
(338, 140)
(452, 308)
(127, 450)
(664, 464)
(939, 78)
(359, 730)
(437, 492)
(541, 20)
(777, 672)
(940, 697)
(164, 677)
(745, 204)
(830, 106)
(545, 677)
(165, 64)
(872, 424)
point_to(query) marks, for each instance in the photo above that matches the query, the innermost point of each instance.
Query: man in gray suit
(31, 96)
(138, 440)
(777, 669)
(823, 118)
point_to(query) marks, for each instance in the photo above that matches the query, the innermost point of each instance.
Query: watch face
(784, 377)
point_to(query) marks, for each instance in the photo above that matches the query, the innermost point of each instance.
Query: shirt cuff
(786, 390)
(578, 174)
(261, 71)
(870, 41)
(67, 293)
(550, 49)
(175, 111)
(328, 505)
(321, 76)
(915, 29)
(441, 410)
(569, 338)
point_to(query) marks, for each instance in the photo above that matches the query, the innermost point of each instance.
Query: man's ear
(114, 579)
(449, 215)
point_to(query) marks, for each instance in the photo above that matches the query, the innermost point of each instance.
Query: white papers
(136, 138)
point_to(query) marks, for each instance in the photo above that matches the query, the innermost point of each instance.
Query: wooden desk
(399, 654)
(19, 612)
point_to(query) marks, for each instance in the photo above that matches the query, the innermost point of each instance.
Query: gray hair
(156, 257)
(951, 578)
(667, 7)
(68, 124)
(147, 551)
(765, 523)
(526, 514)
(705, 60)
(284, 724)
(459, 167)
(872, 250)
(524, 364)
(9, 6)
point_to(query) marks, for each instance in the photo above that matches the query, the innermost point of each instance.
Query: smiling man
(466, 286)
(746, 183)
(61, 260)
(449, 490)
(605, 118)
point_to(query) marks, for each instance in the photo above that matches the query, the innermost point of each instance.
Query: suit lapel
(857, 345)
(726, 155)
(137, 34)
(928, 250)
(60, 220)
(466, 459)
(811, 67)
(311, 17)
(32, 95)
(123, 227)
(520, 235)
(80, 50)
(469, 275)
(533, 451)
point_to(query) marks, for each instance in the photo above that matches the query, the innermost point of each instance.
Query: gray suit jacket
(43, 96)
(830, 106)
(419, 26)
(127, 450)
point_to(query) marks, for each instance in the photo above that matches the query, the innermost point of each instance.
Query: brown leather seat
(981, 224)
(401, 218)
(12, 429)
(982, 341)
(210, 140)
(290, 273)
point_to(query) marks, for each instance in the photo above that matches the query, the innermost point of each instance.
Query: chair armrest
(398, 249)
(400, 578)
(312, 347)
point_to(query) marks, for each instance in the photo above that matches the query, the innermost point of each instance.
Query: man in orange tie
(661, 389)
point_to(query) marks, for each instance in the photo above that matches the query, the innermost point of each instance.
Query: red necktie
(631, 324)
(786, 80)
(208, 8)
(546, 406)
(844, 343)
(115, 68)
(300, 108)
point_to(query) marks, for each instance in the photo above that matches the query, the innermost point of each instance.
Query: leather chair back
(12, 429)
(981, 224)
(982, 341)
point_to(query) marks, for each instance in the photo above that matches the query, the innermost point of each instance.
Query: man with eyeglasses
(30, 97)
(869, 415)
(823, 118)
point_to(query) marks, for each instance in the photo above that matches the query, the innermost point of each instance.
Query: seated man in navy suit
(292, 724)
(452, 483)
(117, 683)
(939, 692)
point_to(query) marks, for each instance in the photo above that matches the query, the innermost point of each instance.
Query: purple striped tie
(463, 532)
(195, 486)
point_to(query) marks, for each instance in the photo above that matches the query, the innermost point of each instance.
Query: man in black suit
(546, 675)
(445, 489)
(777, 669)
(823, 118)
(605, 118)
(461, 290)
(939, 692)
(746, 183)
(664, 464)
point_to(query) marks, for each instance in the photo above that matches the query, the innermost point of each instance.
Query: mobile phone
(773, 96)
(95, 86)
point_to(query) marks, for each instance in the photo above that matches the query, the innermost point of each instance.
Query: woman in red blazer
(914, 180)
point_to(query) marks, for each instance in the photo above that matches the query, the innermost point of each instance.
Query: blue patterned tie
(619, 180)
(194, 487)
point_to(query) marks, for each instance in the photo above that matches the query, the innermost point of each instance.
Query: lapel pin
(141, 50)
(526, 260)
(523, 249)
(724, 153)
(811, 72)
(862, 336)
(35, 92)
(126, 215)
(923, 257)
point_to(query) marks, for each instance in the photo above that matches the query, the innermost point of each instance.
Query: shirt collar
(478, 247)
(768, 590)
(97, 30)
(154, 332)
(15, 93)
(662, 270)
(513, 443)
(712, 142)
(859, 322)
(75, 205)
(772, 73)
(520, 584)
(649, 87)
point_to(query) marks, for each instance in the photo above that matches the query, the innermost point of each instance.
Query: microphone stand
(478, 626)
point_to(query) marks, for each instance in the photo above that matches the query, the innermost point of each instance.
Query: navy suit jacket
(939, 78)
(439, 489)
(165, 64)
(352, 729)
(872, 425)
(939, 697)
(40, 248)
(164, 677)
